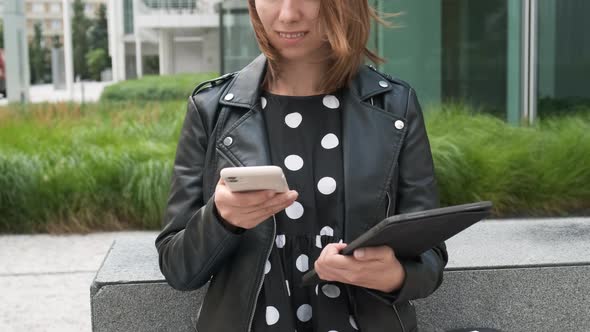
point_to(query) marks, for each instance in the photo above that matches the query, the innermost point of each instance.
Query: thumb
(361, 254)
(372, 253)
(335, 248)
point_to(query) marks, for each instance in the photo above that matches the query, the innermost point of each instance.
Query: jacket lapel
(371, 145)
(249, 141)
(247, 133)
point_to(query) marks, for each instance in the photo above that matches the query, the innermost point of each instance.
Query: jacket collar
(244, 89)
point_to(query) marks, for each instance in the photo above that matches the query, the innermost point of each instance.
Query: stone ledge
(514, 275)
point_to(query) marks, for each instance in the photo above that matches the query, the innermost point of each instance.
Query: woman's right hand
(248, 209)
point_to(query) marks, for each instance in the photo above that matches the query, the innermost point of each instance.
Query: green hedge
(67, 167)
(102, 167)
(155, 88)
(540, 171)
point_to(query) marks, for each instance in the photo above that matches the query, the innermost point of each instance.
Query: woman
(353, 146)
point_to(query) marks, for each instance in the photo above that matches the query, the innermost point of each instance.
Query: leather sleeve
(193, 243)
(417, 190)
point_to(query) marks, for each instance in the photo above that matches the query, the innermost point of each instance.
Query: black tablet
(411, 234)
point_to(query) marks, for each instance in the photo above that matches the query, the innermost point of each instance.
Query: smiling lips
(293, 35)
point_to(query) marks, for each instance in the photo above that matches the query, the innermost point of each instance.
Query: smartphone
(255, 178)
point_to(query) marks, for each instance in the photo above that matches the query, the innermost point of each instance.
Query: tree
(99, 35)
(98, 58)
(80, 24)
(55, 42)
(97, 62)
(38, 57)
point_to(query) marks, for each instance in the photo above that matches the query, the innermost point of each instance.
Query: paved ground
(88, 91)
(45, 280)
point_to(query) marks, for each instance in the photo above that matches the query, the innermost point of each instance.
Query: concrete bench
(513, 275)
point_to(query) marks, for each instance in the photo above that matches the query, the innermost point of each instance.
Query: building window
(55, 25)
(564, 57)
(128, 16)
(89, 9)
(38, 8)
(55, 8)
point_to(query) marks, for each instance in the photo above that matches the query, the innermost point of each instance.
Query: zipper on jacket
(399, 318)
(388, 204)
(274, 231)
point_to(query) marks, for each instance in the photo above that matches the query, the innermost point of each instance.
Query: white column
(68, 52)
(113, 19)
(138, 58)
(137, 33)
(16, 52)
(165, 52)
(121, 56)
(530, 60)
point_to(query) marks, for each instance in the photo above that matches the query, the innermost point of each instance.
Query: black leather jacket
(388, 170)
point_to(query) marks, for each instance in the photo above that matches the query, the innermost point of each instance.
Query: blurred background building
(163, 37)
(49, 14)
(512, 58)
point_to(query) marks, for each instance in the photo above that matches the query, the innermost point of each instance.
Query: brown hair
(347, 28)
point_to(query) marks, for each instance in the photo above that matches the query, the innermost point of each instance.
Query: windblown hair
(346, 25)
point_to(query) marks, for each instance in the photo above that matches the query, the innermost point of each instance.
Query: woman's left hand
(370, 267)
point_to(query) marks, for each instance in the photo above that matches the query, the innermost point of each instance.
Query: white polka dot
(294, 211)
(331, 291)
(263, 102)
(327, 230)
(331, 102)
(352, 322)
(332, 331)
(272, 315)
(267, 267)
(280, 241)
(330, 141)
(316, 289)
(293, 162)
(302, 263)
(327, 185)
(318, 241)
(304, 312)
(293, 120)
(288, 289)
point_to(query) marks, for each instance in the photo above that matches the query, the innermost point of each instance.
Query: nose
(290, 11)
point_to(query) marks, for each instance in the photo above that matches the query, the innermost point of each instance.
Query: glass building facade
(517, 59)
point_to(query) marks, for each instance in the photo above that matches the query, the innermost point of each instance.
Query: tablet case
(411, 234)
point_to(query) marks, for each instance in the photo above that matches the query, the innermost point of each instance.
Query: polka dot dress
(305, 140)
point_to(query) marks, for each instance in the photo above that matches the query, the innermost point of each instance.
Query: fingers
(248, 209)
(332, 249)
(248, 199)
(381, 253)
(356, 269)
(325, 266)
(276, 200)
(272, 206)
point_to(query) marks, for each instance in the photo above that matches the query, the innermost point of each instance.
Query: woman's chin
(295, 55)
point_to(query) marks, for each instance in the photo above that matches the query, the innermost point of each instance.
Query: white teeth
(292, 35)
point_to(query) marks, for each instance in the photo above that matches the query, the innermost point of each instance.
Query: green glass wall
(452, 50)
(467, 51)
(238, 42)
(564, 56)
